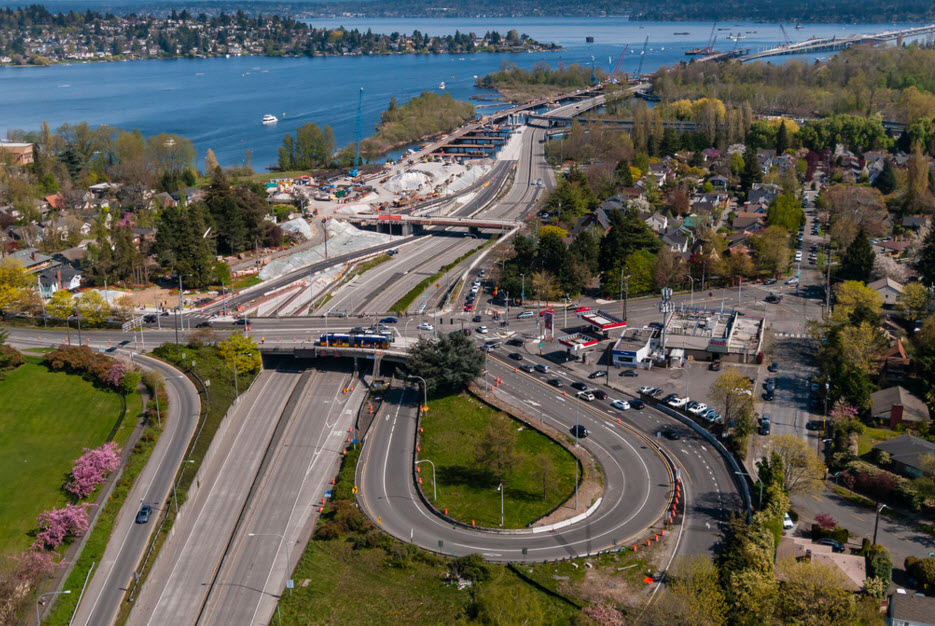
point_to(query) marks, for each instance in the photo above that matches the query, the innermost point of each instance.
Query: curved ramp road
(637, 485)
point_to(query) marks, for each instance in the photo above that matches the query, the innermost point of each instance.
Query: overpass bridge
(821, 44)
(312, 350)
(407, 224)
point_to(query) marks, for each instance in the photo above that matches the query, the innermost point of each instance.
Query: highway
(106, 590)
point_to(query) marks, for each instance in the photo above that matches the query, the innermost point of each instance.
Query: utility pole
(828, 282)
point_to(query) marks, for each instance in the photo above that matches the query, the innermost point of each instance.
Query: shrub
(825, 521)
(923, 570)
(470, 567)
(879, 564)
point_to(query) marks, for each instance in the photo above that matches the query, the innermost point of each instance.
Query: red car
(582, 309)
(543, 312)
(468, 307)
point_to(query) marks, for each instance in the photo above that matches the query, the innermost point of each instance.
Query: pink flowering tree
(604, 613)
(36, 564)
(115, 374)
(92, 467)
(842, 411)
(58, 524)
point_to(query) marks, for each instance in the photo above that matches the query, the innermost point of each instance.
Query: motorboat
(441, 85)
(269, 119)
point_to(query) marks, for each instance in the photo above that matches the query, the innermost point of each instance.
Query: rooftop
(906, 449)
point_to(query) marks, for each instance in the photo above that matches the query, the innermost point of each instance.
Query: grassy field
(48, 417)
(871, 437)
(452, 430)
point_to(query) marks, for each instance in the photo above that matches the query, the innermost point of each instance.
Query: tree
(751, 170)
(858, 259)
(693, 596)
(211, 162)
(240, 352)
(885, 181)
(782, 138)
(852, 295)
(627, 234)
(772, 248)
(61, 305)
(496, 450)
(92, 307)
(802, 470)
(737, 164)
(813, 593)
(851, 208)
(16, 285)
(914, 300)
(56, 525)
(669, 268)
(92, 467)
(785, 211)
(918, 197)
(924, 263)
(547, 472)
(447, 364)
(732, 393)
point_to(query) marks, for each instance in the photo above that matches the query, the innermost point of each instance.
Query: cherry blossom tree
(58, 524)
(36, 564)
(92, 467)
(115, 375)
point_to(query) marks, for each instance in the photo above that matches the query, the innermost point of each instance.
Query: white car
(646, 389)
(699, 408)
(482, 330)
(679, 402)
(793, 281)
(586, 395)
(787, 522)
(623, 405)
(426, 326)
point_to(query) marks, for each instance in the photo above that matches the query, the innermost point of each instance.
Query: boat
(736, 37)
(799, 27)
(441, 85)
(696, 52)
(269, 119)
(681, 33)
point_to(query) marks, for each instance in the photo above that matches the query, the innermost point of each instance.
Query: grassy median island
(353, 573)
(475, 447)
(48, 418)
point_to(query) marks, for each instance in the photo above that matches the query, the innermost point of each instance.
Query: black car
(773, 366)
(629, 373)
(203, 325)
(515, 341)
(597, 374)
(358, 329)
(769, 396)
(143, 516)
(637, 404)
(579, 386)
(516, 356)
(773, 298)
(526, 367)
(150, 319)
(813, 425)
(241, 322)
(554, 382)
(478, 318)
(600, 394)
(671, 433)
(579, 431)
(835, 546)
(669, 398)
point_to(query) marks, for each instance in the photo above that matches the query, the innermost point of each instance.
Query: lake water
(218, 103)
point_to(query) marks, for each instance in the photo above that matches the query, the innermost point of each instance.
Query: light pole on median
(500, 489)
(876, 523)
(288, 554)
(40, 601)
(434, 484)
(425, 392)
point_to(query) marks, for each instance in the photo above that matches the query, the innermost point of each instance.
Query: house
(852, 566)
(56, 201)
(748, 223)
(765, 158)
(20, 153)
(893, 249)
(718, 182)
(914, 222)
(906, 452)
(711, 153)
(658, 222)
(895, 404)
(677, 240)
(57, 278)
(33, 260)
(889, 289)
(894, 364)
(907, 610)
(762, 193)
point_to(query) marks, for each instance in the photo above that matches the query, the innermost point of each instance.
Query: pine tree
(751, 170)
(858, 260)
(782, 138)
(885, 182)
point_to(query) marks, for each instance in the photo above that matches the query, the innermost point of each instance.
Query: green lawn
(871, 437)
(48, 417)
(452, 429)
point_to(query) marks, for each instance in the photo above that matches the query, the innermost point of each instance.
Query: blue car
(143, 516)
(388, 320)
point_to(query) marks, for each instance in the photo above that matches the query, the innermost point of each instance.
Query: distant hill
(847, 11)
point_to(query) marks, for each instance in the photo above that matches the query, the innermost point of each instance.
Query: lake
(218, 103)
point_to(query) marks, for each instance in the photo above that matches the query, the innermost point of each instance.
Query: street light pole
(288, 553)
(876, 523)
(434, 484)
(500, 489)
(425, 392)
(40, 600)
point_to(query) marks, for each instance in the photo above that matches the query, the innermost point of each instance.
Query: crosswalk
(793, 335)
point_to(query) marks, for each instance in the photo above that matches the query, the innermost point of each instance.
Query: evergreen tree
(622, 173)
(627, 234)
(751, 170)
(925, 263)
(858, 259)
(782, 138)
(885, 182)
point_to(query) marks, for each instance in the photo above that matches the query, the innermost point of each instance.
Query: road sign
(290, 584)
(354, 490)
(133, 323)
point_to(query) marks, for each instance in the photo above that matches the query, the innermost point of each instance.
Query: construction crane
(711, 39)
(358, 133)
(593, 72)
(785, 36)
(639, 70)
(613, 75)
